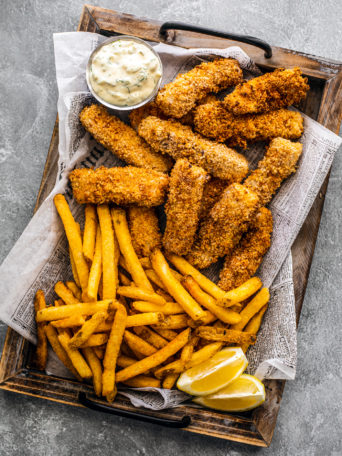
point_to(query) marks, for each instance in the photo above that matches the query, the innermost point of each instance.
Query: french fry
(108, 252)
(124, 280)
(125, 361)
(165, 295)
(198, 357)
(241, 293)
(74, 269)
(169, 381)
(82, 308)
(188, 350)
(137, 344)
(73, 287)
(142, 381)
(112, 353)
(148, 318)
(252, 308)
(206, 320)
(140, 367)
(154, 278)
(170, 308)
(207, 301)
(96, 368)
(65, 293)
(125, 243)
(254, 324)
(41, 348)
(173, 322)
(141, 294)
(89, 234)
(168, 334)
(228, 336)
(148, 335)
(99, 352)
(173, 286)
(95, 340)
(187, 269)
(74, 239)
(70, 322)
(145, 263)
(75, 356)
(89, 327)
(96, 268)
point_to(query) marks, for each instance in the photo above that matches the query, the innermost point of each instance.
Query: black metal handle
(230, 36)
(182, 423)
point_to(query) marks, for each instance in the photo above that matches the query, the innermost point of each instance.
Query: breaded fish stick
(144, 229)
(121, 139)
(244, 261)
(268, 92)
(179, 96)
(278, 163)
(183, 206)
(214, 121)
(179, 141)
(222, 229)
(129, 185)
(211, 194)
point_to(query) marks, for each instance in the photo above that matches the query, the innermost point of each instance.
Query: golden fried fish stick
(179, 141)
(129, 185)
(268, 92)
(121, 139)
(222, 229)
(214, 121)
(211, 194)
(179, 96)
(278, 163)
(144, 229)
(244, 260)
(183, 206)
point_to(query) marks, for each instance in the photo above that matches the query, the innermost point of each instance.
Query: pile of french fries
(137, 321)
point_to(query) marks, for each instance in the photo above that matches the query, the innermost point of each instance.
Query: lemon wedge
(215, 373)
(245, 393)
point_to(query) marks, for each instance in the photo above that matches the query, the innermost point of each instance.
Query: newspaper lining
(43, 250)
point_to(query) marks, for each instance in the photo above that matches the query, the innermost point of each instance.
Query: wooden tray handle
(230, 36)
(182, 423)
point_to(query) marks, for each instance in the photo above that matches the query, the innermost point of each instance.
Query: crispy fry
(70, 322)
(179, 141)
(178, 97)
(215, 122)
(168, 334)
(122, 233)
(228, 336)
(99, 352)
(148, 335)
(183, 206)
(138, 344)
(142, 381)
(147, 318)
(95, 340)
(170, 308)
(222, 229)
(73, 287)
(65, 293)
(153, 277)
(225, 315)
(124, 280)
(206, 320)
(121, 139)
(90, 226)
(282, 87)
(41, 348)
(241, 293)
(174, 287)
(82, 308)
(252, 308)
(254, 325)
(163, 294)
(144, 229)
(74, 239)
(129, 185)
(96, 267)
(187, 269)
(141, 295)
(244, 261)
(173, 322)
(188, 350)
(125, 361)
(89, 327)
(74, 269)
(75, 356)
(146, 263)
(156, 359)
(279, 162)
(112, 353)
(96, 368)
(169, 381)
(108, 253)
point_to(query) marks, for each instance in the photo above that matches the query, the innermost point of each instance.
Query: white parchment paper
(40, 257)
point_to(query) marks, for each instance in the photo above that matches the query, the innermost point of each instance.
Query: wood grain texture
(324, 104)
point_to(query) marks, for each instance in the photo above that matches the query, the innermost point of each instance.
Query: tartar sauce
(124, 72)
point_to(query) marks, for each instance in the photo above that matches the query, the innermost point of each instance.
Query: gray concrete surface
(310, 418)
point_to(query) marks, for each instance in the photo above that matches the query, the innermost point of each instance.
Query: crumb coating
(144, 229)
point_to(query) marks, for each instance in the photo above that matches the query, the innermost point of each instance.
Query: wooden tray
(324, 103)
